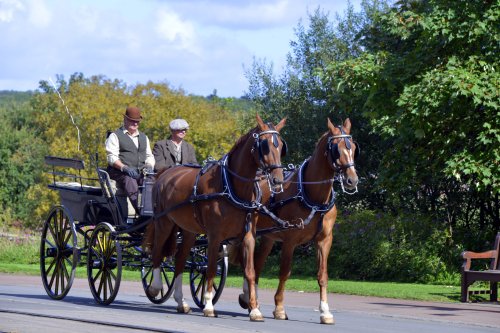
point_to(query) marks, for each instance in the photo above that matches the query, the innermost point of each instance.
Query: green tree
(20, 158)
(430, 84)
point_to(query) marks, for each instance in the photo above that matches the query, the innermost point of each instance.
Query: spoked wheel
(58, 253)
(104, 264)
(167, 270)
(198, 274)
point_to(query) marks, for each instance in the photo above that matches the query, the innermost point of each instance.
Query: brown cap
(133, 113)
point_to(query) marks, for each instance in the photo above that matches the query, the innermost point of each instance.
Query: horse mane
(242, 140)
(321, 137)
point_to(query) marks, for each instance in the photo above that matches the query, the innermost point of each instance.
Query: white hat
(178, 124)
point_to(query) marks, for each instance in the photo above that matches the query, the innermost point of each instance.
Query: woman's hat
(133, 113)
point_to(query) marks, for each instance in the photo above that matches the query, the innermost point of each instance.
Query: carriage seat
(76, 186)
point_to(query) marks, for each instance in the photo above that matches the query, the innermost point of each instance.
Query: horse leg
(188, 240)
(248, 260)
(161, 235)
(323, 249)
(260, 256)
(285, 269)
(212, 253)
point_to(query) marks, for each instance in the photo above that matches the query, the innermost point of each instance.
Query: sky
(195, 45)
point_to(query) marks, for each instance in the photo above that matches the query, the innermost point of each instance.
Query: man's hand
(131, 172)
(148, 169)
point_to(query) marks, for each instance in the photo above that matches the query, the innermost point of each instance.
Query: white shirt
(113, 148)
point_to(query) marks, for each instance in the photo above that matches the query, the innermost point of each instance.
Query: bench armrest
(468, 256)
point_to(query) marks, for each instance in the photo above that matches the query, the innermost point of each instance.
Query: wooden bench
(492, 275)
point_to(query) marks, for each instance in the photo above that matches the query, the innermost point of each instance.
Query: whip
(67, 111)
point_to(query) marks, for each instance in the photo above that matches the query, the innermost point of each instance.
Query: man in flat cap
(174, 150)
(128, 153)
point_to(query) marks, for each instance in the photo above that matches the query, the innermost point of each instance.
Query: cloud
(236, 14)
(177, 32)
(197, 45)
(39, 15)
(8, 8)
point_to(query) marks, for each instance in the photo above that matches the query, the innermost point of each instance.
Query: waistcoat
(129, 153)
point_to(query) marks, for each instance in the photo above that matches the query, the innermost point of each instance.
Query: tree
(430, 83)
(21, 160)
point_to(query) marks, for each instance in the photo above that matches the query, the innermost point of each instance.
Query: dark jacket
(164, 153)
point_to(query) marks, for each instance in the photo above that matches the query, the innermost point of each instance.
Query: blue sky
(194, 45)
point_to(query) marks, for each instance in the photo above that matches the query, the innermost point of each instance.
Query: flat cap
(178, 124)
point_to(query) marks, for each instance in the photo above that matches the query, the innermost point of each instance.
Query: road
(25, 307)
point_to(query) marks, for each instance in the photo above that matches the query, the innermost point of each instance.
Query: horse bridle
(262, 147)
(334, 153)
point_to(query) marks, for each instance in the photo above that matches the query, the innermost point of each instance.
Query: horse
(219, 201)
(308, 204)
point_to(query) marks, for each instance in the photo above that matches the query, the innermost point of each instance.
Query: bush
(382, 247)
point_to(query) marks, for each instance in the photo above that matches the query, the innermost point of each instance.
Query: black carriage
(92, 227)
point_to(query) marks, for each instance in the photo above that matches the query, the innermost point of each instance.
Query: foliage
(298, 94)
(97, 106)
(73, 122)
(383, 247)
(20, 158)
(428, 84)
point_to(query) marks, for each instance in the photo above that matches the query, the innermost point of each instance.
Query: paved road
(24, 307)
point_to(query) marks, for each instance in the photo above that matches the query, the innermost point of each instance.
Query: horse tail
(235, 256)
(149, 237)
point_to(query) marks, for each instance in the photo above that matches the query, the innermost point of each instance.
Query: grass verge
(20, 256)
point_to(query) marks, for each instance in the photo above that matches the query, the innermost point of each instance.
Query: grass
(20, 256)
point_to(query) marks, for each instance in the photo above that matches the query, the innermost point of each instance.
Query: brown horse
(218, 201)
(308, 204)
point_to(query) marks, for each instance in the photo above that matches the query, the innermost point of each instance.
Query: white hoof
(209, 313)
(256, 315)
(327, 319)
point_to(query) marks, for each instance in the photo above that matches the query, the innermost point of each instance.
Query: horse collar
(229, 191)
(302, 193)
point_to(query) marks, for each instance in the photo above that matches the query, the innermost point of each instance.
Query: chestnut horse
(308, 203)
(218, 201)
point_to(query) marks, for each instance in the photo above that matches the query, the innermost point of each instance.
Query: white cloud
(39, 15)
(179, 33)
(197, 45)
(8, 8)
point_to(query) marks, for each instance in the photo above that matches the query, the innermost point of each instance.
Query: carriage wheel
(58, 253)
(167, 270)
(198, 274)
(104, 264)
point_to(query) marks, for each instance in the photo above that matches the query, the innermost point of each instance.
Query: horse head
(267, 151)
(342, 151)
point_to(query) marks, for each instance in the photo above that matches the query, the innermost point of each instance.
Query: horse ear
(331, 126)
(259, 121)
(281, 124)
(347, 125)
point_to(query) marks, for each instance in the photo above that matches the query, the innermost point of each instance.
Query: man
(174, 150)
(128, 153)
